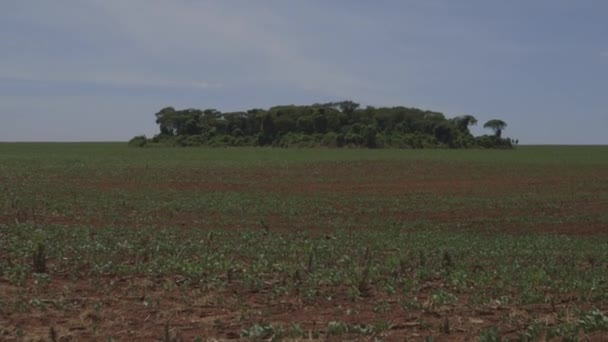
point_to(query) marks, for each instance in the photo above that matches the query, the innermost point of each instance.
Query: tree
(444, 133)
(319, 120)
(369, 136)
(331, 124)
(463, 122)
(164, 120)
(497, 126)
(268, 129)
(348, 107)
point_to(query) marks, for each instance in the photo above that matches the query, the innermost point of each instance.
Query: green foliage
(493, 141)
(497, 126)
(337, 328)
(138, 141)
(258, 332)
(491, 334)
(594, 321)
(334, 124)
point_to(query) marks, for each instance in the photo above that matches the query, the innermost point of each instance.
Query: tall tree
(463, 122)
(497, 126)
(164, 120)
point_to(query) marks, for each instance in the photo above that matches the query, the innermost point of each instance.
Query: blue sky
(78, 70)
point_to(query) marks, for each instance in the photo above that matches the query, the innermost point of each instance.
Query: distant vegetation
(334, 124)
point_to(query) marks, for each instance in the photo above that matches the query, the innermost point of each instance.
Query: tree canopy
(333, 124)
(497, 126)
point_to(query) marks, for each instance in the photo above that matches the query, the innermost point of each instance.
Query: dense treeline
(336, 124)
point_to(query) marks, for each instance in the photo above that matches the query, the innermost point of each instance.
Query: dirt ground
(139, 308)
(142, 309)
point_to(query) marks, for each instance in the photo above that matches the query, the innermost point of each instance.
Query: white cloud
(604, 53)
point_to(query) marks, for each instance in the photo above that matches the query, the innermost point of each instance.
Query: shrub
(138, 141)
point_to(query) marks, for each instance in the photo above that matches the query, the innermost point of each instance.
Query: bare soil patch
(142, 309)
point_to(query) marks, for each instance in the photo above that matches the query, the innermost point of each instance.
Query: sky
(98, 70)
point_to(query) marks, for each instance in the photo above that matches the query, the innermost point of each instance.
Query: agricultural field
(106, 242)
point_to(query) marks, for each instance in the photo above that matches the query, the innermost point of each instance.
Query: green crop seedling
(109, 242)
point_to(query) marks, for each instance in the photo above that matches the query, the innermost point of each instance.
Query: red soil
(141, 309)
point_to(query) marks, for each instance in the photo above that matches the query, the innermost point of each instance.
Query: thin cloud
(604, 53)
(270, 53)
(113, 79)
(198, 45)
(143, 81)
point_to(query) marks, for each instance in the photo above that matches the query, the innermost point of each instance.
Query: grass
(299, 244)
